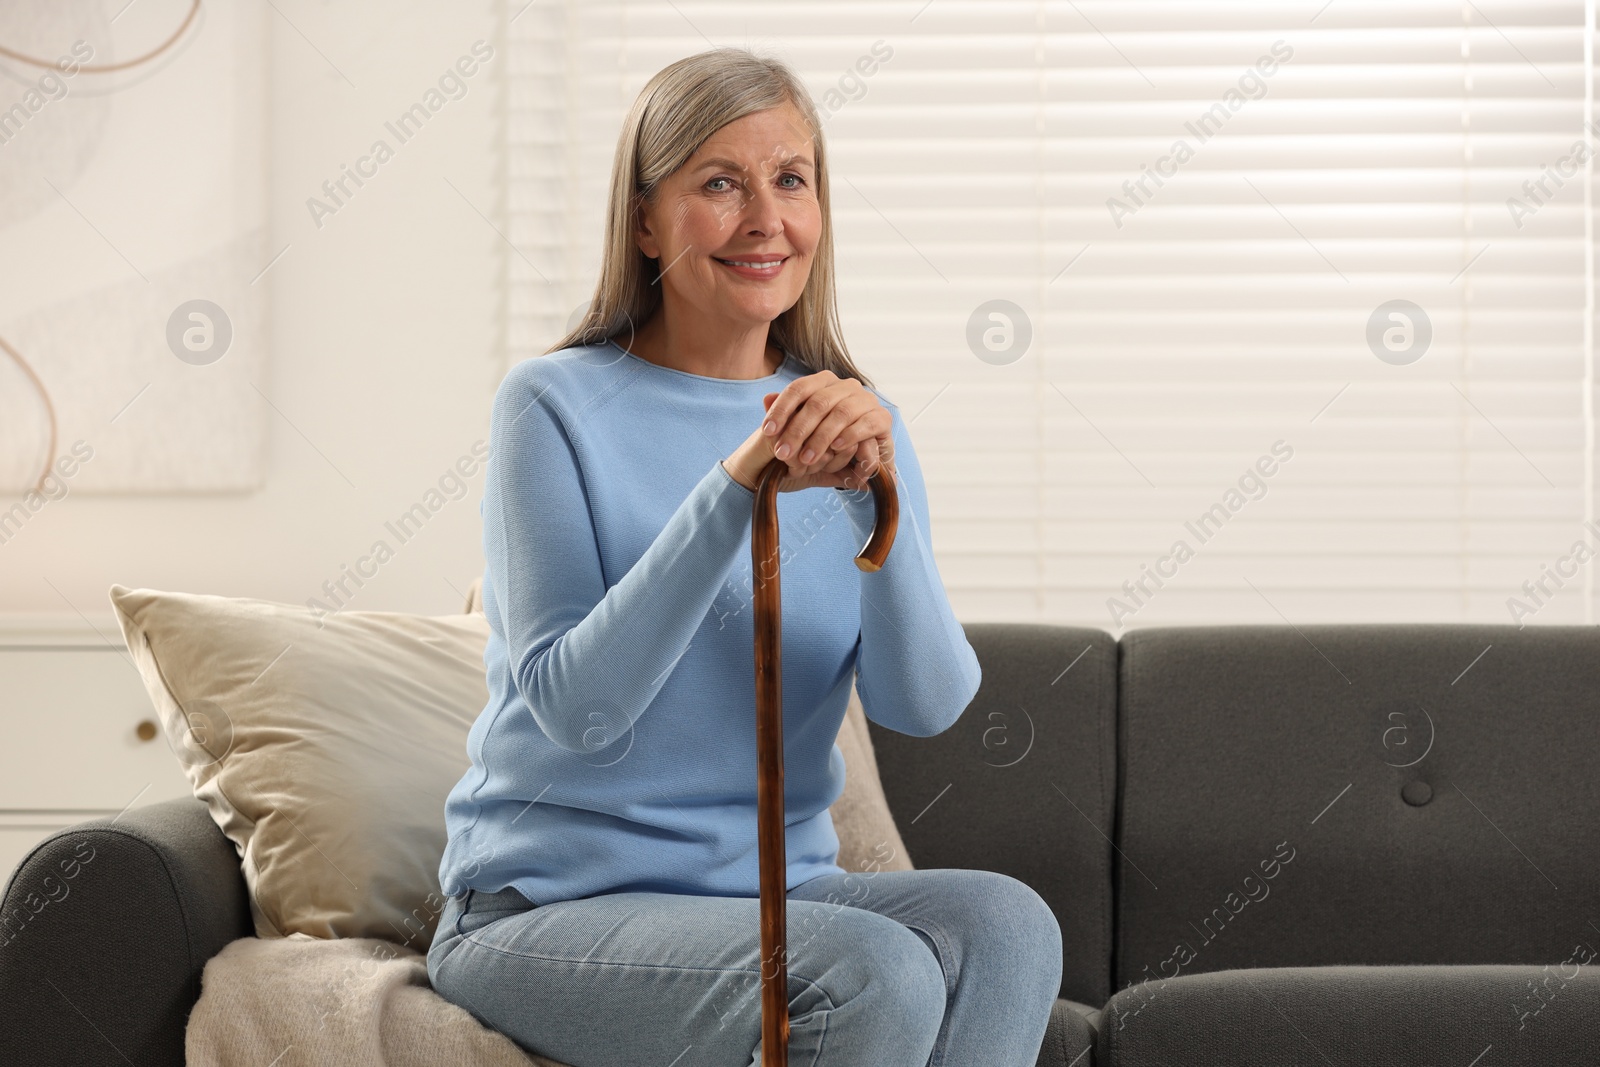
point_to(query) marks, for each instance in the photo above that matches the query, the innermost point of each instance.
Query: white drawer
(71, 735)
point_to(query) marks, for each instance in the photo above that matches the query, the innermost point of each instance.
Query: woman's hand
(837, 421)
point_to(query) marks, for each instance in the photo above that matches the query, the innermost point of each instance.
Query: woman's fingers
(852, 468)
(790, 400)
(813, 415)
(853, 421)
(801, 439)
(836, 427)
(845, 428)
(867, 458)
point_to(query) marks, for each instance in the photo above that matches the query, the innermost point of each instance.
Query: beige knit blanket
(302, 1001)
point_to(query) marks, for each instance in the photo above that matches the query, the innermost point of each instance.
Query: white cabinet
(81, 738)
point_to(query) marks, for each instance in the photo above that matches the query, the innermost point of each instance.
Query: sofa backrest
(1023, 783)
(1356, 794)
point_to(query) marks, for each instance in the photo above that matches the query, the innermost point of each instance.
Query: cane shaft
(772, 860)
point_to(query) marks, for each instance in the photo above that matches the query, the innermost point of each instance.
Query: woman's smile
(759, 267)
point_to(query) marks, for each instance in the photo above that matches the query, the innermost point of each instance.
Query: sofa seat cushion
(1313, 1016)
(1069, 1038)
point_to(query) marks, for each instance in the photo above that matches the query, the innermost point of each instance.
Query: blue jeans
(929, 968)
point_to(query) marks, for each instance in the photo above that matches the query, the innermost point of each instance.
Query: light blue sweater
(618, 748)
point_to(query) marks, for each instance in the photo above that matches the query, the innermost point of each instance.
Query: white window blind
(1189, 307)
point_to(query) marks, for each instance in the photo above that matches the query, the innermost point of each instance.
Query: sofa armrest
(105, 928)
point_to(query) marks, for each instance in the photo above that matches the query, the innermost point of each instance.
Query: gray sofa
(1265, 845)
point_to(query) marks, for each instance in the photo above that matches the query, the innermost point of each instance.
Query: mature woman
(602, 861)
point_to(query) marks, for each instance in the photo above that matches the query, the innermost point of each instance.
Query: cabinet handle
(146, 730)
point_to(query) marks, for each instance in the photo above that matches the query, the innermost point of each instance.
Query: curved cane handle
(772, 862)
(886, 503)
(886, 499)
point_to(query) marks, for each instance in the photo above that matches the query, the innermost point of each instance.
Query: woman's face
(733, 229)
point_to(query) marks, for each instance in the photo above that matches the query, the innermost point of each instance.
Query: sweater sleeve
(916, 672)
(588, 660)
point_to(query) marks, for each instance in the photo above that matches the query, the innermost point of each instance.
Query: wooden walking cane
(769, 735)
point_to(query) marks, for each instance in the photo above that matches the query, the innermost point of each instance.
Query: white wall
(385, 344)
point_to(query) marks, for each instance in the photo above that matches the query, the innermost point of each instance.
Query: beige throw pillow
(868, 838)
(324, 748)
